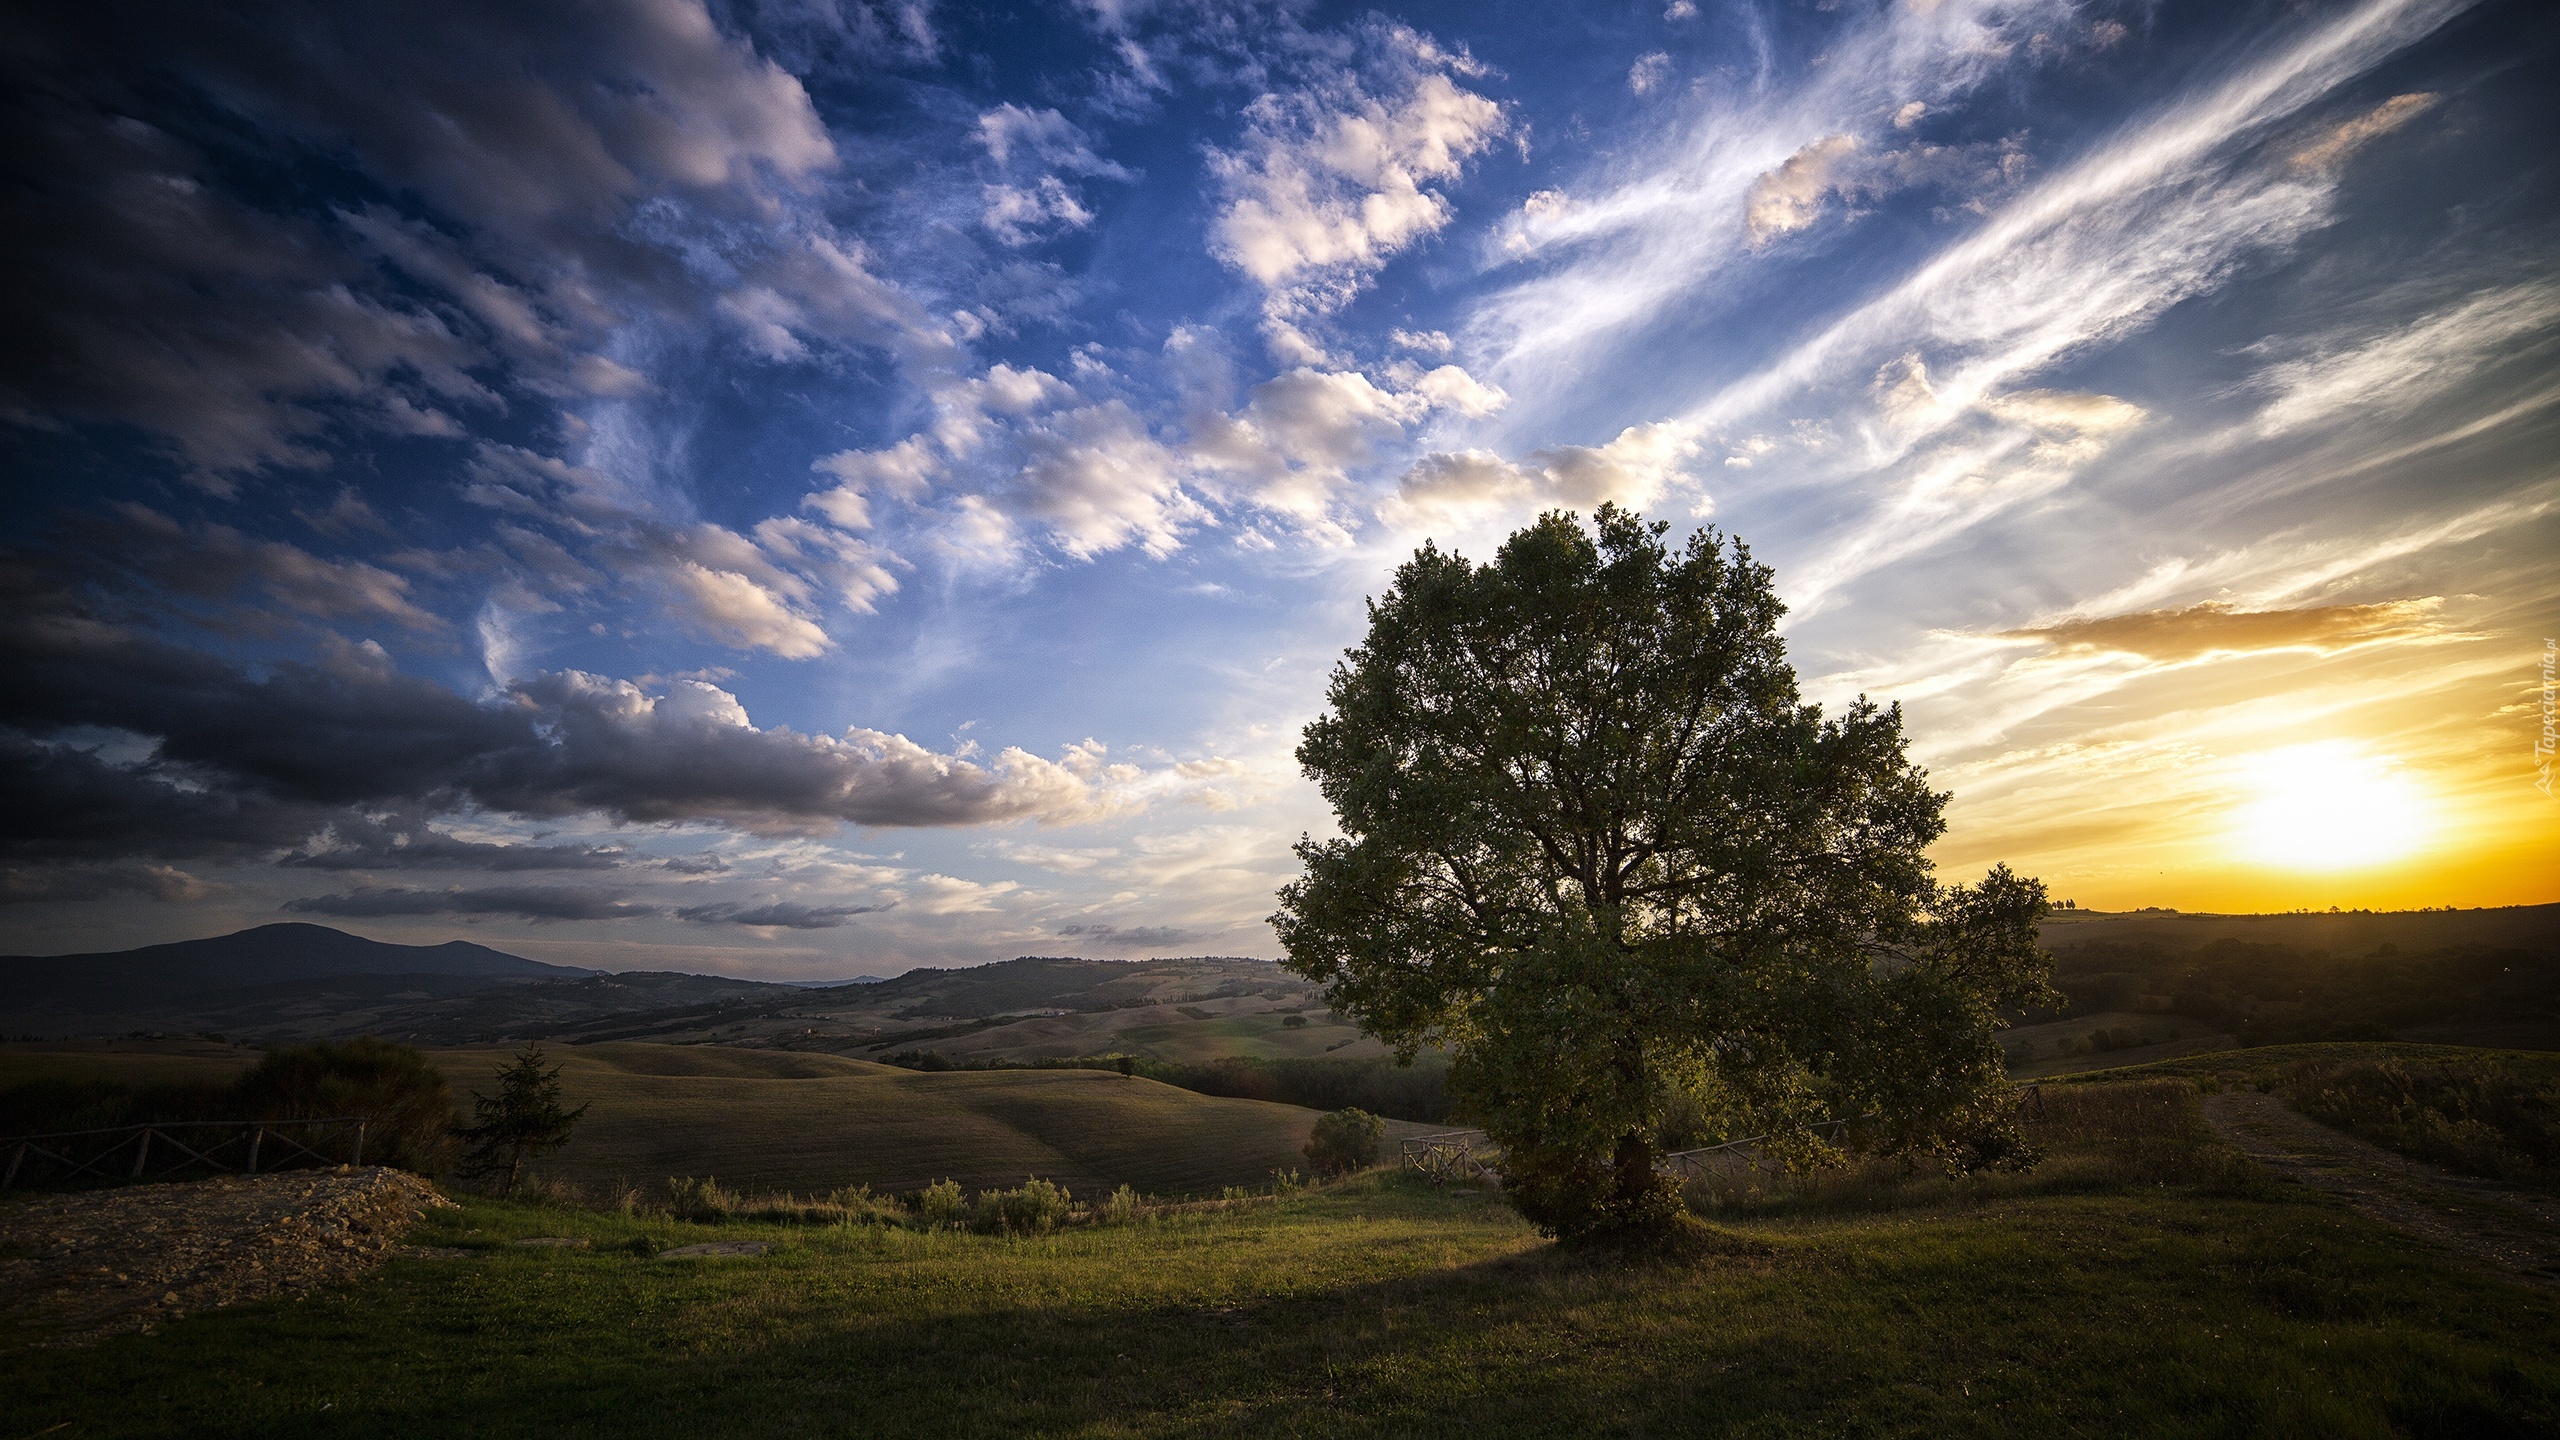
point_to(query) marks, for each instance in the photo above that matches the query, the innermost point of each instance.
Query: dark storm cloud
(480, 172)
(531, 902)
(355, 842)
(785, 914)
(116, 743)
(24, 885)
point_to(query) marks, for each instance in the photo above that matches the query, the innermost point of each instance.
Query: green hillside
(777, 1120)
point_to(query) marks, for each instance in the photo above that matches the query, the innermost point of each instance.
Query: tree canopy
(1595, 845)
(525, 1118)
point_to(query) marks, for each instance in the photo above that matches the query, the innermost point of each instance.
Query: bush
(942, 1203)
(2482, 1119)
(700, 1200)
(1123, 1208)
(407, 1106)
(1344, 1141)
(42, 1107)
(1035, 1209)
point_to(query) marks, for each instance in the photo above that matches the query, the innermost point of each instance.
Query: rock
(173, 1249)
(715, 1247)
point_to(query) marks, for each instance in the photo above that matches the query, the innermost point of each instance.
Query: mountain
(266, 955)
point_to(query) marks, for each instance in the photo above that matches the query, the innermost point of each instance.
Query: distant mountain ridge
(265, 955)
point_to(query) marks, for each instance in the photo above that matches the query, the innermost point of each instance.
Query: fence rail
(1709, 1161)
(1472, 1155)
(161, 1149)
(1453, 1155)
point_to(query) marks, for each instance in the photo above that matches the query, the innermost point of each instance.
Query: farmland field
(2144, 1280)
(772, 1120)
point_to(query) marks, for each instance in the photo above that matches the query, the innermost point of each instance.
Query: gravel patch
(82, 1266)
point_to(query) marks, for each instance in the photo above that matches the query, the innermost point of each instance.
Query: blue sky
(812, 490)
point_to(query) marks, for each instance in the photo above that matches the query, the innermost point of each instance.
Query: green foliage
(407, 1106)
(525, 1118)
(700, 1200)
(943, 1205)
(1596, 846)
(1344, 1141)
(2482, 1118)
(1123, 1207)
(1036, 1208)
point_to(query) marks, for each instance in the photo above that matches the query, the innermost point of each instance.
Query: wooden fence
(1472, 1155)
(161, 1149)
(1453, 1155)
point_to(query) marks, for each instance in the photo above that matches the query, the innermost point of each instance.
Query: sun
(2329, 806)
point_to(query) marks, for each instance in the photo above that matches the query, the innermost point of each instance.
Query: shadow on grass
(2146, 1299)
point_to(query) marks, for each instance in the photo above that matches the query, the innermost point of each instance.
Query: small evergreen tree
(523, 1119)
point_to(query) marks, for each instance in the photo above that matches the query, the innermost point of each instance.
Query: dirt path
(89, 1264)
(2512, 1231)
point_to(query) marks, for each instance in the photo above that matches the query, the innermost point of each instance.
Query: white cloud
(2389, 374)
(1034, 151)
(1649, 72)
(1790, 197)
(1634, 470)
(1332, 180)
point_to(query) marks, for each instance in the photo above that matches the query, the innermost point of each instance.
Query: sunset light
(2329, 807)
(878, 485)
(1279, 717)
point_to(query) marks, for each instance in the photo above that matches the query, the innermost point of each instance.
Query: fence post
(257, 1138)
(359, 1157)
(141, 1152)
(17, 1157)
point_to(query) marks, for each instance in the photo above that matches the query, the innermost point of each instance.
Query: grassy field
(773, 1120)
(2143, 1281)
(2489, 1113)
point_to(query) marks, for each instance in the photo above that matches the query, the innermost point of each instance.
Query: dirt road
(2511, 1231)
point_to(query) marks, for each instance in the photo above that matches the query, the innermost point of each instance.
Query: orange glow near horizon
(2265, 821)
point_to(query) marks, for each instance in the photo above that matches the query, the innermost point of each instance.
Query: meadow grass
(2491, 1113)
(2141, 1280)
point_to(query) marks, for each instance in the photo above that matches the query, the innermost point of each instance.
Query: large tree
(1595, 845)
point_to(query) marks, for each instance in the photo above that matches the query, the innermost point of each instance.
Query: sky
(811, 490)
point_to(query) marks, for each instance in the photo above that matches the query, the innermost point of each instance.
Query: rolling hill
(771, 1120)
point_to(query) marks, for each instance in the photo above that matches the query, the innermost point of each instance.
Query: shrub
(39, 1107)
(407, 1106)
(1293, 1022)
(1123, 1208)
(1344, 1141)
(2482, 1119)
(1035, 1209)
(941, 1203)
(699, 1200)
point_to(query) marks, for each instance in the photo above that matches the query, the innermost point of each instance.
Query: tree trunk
(515, 1162)
(1636, 1177)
